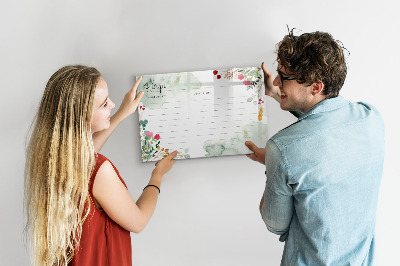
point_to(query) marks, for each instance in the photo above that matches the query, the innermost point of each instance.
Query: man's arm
(270, 89)
(276, 206)
(274, 91)
(276, 211)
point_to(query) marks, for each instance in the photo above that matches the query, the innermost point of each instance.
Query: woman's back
(103, 242)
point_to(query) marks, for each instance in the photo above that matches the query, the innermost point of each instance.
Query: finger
(136, 85)
(139, 97)
(172, 155)
(265, 69)
(251, 156)
(253, 147)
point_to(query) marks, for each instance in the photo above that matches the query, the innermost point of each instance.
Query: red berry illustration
(215, 72)
(218, 76)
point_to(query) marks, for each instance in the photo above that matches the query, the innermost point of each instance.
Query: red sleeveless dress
(103, 241)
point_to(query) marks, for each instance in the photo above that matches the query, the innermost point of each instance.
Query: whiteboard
(202, 113)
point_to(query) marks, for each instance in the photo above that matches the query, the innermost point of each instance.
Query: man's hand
(258, 155)
(270, 89)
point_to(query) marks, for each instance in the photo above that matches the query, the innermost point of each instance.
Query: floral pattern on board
(252, 79)
(151, 143)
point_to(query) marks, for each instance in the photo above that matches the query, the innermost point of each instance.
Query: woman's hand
(128, 107)
(163, 166)
(131, 101)
(270, 89)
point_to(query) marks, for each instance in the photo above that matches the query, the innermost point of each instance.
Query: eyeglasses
(282, 78)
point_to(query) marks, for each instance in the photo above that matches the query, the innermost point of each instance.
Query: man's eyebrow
(283, 74)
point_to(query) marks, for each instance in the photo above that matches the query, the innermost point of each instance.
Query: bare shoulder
(114, 198)
(106, 170)
(106, 181)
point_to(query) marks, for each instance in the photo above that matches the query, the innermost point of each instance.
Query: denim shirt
(323, 176)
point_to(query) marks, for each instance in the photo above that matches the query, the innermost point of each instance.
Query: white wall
(208, 208)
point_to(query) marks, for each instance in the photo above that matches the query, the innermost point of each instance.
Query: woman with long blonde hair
(79, 211)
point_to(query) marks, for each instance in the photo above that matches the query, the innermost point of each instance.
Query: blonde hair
(59, 161)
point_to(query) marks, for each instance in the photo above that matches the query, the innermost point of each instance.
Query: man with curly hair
(323, 171)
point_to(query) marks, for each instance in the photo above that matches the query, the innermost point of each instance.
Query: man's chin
(284, 107)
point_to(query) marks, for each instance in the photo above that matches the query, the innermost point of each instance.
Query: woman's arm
(116, 201)
(128, 107)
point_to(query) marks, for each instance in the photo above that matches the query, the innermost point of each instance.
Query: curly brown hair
(314, 57)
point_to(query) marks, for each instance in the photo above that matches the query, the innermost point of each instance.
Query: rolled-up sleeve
(277, 209)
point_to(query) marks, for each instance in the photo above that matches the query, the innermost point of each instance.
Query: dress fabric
(323, 177)
(103, 241)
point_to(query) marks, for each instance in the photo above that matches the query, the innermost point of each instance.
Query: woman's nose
(112, 105)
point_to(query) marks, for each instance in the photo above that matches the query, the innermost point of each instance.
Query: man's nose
(277, 81)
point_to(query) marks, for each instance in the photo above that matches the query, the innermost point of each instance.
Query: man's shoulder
(367, 108)
(368, 114)
(326, 121)
(288, 135)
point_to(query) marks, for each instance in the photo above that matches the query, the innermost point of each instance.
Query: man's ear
(317, 88)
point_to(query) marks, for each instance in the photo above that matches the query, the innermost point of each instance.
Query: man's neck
(316, 100)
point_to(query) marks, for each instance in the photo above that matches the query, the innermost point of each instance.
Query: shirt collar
(325, 106)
